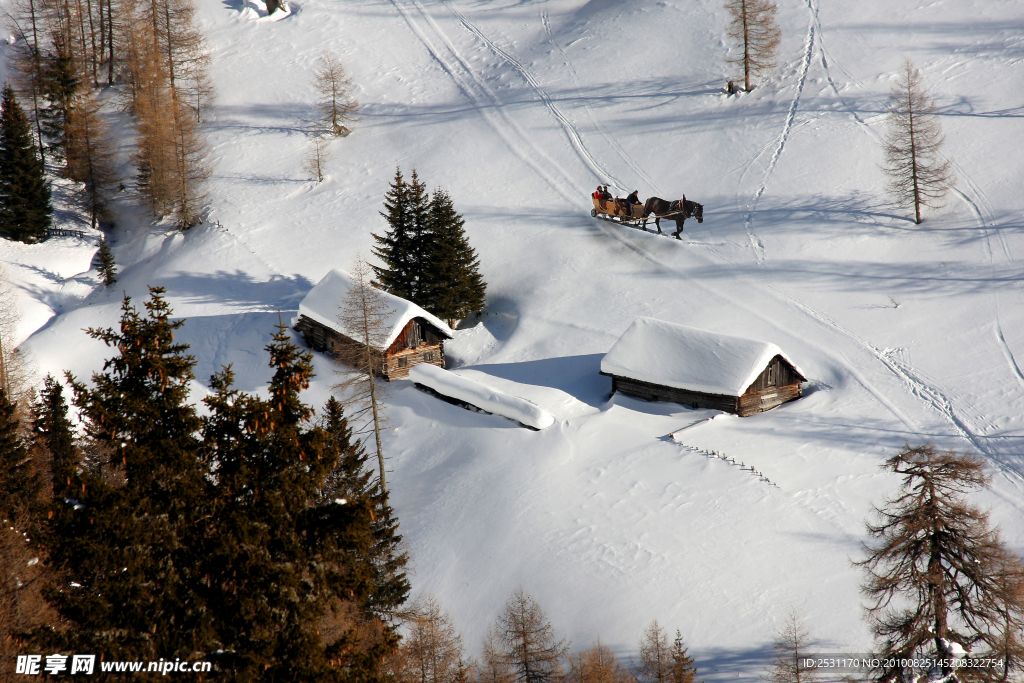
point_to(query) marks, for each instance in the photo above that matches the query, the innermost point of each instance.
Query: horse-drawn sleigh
(636, 215)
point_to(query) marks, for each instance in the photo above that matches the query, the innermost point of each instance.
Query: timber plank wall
(778, 383)
(411, 348)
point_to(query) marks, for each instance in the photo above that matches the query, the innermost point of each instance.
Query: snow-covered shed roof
(672, 355)
(321, 305)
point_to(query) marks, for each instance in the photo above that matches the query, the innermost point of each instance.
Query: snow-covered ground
(519, 108)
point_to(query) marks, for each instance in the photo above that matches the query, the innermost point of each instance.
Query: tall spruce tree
(212, 538)
(452, 286)
(124, 548)
(350, 479)
(18, 482)
(59, 85)
(404, 246)
(54, 435)
(287, 556)
(25, 209)
(105, 264)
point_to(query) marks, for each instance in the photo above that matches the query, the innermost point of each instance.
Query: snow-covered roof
(321, 305)
(683, 357)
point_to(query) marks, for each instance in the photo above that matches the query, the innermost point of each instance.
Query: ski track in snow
(575, 139)
(926, 390)
(477, 91)
(756, 242)
(610, 139)
(487, 104)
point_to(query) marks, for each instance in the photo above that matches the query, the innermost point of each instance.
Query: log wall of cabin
(750, 403)
(658, 392)
(778, 373)
(400, 355)
(754, 402)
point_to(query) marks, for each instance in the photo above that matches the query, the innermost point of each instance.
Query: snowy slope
(518, 108)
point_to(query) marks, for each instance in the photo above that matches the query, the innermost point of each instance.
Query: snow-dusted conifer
(451, 285)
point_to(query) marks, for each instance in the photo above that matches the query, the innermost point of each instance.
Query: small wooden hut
(662, 361)
(409, 336)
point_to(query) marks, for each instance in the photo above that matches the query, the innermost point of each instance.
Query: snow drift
(483, 397)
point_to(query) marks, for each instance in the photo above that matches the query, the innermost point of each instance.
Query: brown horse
(678, 211)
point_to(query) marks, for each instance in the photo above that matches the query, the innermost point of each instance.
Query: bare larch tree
(936, 569)
(528, 639)
(317, 155)
(597, 664)
(918, 174)
(91, 159)
(655, 659)
(433, 648)
(789, 651)
(364, 313)
(336, 105)
(494, 666)
(15, 364)
(756, 34)
(169, 86)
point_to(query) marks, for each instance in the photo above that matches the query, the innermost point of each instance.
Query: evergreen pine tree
(288, 555)
(18, 482)
(124, 546)
(25, 209)
(59, 85)
(681, 668)
(404, 247)
(106, 265)
(350, 479)
(54, 435)
(452, 286)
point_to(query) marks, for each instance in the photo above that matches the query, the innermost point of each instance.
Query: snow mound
(683, 357)
(483, 397)
(322, 302)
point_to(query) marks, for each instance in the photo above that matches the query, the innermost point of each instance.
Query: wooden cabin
(410, 335)
(661, 361)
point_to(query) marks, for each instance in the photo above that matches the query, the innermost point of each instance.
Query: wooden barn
(411, 335)
(662, 361)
